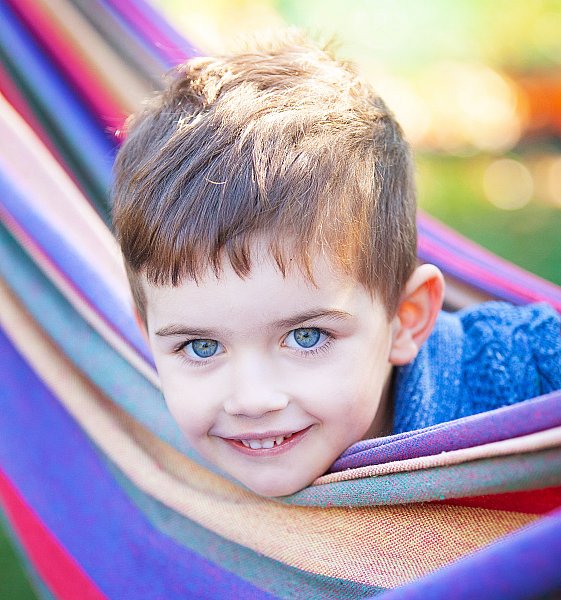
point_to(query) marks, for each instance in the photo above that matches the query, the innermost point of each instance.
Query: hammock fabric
(97, 486)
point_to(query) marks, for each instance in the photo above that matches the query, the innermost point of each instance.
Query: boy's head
(265, 207)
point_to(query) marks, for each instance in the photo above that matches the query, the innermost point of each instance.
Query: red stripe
(52, 40)
(63, 576)
(534, 502)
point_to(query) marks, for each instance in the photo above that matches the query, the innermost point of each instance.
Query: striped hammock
(97, 486)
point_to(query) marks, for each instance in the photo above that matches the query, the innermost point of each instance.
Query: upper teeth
(266, 442)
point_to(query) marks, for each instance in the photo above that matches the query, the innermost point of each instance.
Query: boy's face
(271, 378)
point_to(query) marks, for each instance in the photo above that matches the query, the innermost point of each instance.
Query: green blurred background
(477, 87)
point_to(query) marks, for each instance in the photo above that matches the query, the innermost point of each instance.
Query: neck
(382, 425)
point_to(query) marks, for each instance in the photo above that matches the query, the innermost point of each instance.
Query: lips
(268, 444)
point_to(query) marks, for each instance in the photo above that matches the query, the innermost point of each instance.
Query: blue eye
(202, 348)
(306, 337)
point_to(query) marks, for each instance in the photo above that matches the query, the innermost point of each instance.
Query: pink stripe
(59, 571)
(494, 264)
(12, 94)
(459, 245)
(487, 281)
(105, 107)
(525, 292)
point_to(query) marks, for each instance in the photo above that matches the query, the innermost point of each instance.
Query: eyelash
(304, 353)
(318, 349)
(178, 350)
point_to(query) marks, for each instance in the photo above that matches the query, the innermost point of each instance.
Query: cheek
(360, 367)
(350, 388)
(188, 399)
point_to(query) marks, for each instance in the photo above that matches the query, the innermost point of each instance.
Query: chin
(275, 489)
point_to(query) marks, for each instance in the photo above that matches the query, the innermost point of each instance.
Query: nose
(254, 389)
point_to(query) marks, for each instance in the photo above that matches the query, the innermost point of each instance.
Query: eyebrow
(288, 323)
(175, 330)
(298, 319)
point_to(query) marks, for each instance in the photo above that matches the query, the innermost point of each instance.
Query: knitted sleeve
(510, 354)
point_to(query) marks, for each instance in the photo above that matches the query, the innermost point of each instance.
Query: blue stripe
(278, 578)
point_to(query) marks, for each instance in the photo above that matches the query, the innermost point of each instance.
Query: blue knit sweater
(479, 359)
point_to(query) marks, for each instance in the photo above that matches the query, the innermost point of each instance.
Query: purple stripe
(488, 275)
(504, 423)
(147, 24)
(462, 246)
(459, 249)
(484, 281)
(456, 252)
(62, 477)
(129, 30)
(477, 281)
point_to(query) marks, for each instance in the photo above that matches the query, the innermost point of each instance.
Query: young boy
(265, 207)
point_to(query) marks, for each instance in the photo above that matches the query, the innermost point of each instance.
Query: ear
(416, 314)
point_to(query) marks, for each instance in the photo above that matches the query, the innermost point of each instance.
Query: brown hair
(283, 142)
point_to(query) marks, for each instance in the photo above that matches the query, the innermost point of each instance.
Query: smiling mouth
(268, 445)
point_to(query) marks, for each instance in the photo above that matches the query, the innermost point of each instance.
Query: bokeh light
(508, 184)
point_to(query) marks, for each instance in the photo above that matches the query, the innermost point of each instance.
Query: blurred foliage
(405, 35)
(530, 235)
(14, 584)
(408, 35)
(473, 82)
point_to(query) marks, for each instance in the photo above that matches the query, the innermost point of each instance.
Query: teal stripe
(70, 126)
(83, 346)
(533, 470)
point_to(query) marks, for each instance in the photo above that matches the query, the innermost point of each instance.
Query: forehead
(263, 296)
